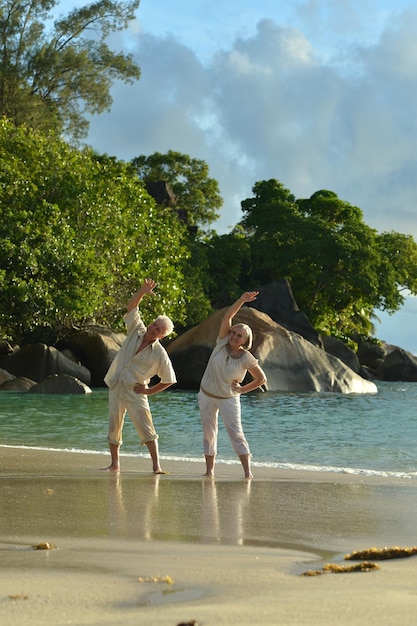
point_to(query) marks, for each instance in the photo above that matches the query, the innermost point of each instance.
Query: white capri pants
(229, 409)
(122, 399)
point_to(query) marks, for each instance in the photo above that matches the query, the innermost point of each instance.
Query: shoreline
(263, 470)
(234, 549)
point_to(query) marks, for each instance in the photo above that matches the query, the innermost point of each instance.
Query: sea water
(373, 434)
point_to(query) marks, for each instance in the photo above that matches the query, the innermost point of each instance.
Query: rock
(5, 375)
(5, 348)
(290, 362)
(95, 347)
(399, 365)
(37, 361)
(277, 300)
(17, 384)
(161, 191)
(342, 351)
(371, 355)
(60, 384)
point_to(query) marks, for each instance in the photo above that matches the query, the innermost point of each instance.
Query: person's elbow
(261, 378)
(261, 381)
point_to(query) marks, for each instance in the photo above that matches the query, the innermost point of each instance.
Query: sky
(318, 94)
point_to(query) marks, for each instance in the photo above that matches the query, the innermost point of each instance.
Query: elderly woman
(139, 359)
(221, 386)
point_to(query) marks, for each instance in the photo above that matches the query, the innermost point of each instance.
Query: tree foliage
(198, 196)
(49, 79)
(229, 267)
(340, 269)
(197, 202)
(78, 233)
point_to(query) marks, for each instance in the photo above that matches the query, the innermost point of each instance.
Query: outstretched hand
(148, 286)
(249, 296)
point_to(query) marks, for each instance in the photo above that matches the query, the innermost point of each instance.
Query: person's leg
(141, 416)
(209, 465)
(209, 418)
(245, 460)
(116, 419)
(231, 414)
(154, 452)
(114, 453)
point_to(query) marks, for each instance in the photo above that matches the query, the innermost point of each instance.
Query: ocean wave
(267, 465)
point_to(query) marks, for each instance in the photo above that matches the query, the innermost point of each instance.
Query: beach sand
(137, 549)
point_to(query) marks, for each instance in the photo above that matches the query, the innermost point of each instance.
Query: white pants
(122, 400)
(229, 409)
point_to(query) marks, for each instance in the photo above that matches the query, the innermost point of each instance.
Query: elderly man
(139, 359)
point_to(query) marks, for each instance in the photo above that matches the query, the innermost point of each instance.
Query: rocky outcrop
(339, 349)
(371, 355)
(290, 362)
(60, 384)
(399, 365)
(17, 384)
(161, 191)
(95, 347)
(294, 356)
(38, 361)
(5, 376)
(277, 301)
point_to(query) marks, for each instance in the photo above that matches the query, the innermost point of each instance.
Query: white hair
(167, 324)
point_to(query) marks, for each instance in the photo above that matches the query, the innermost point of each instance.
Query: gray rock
(290, 362)
(95, 347)
(37, 361)
(17, 384)
(399, 365)
(277, 300)
(60, 384)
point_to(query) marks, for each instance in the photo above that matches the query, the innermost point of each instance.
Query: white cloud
(269, 107)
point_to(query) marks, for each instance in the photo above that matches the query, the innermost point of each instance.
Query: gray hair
(167, 324)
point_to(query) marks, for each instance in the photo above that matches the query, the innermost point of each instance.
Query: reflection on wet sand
(153, 507)
(269, 513)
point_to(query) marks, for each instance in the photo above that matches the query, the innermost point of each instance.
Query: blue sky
(319, 94)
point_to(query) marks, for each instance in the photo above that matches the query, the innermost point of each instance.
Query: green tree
(229, 267)
(49, 79)
(197, 201)
(198, 196)
(78, 232)
(272, 220)
(340, 269)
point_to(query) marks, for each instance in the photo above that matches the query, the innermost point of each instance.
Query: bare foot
(111, 468)
(249, 476)
(208, 475)
(159, 471)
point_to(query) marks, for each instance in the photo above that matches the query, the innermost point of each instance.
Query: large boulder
(291, 363)
(60, 384)
(95, 347)
(372, 355)
(17, 384)
(399, 365)
(37, 361)
(5, 376)
(162, 192)
(277, 300)
(334, 346)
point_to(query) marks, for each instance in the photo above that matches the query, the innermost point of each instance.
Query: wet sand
(134, 548)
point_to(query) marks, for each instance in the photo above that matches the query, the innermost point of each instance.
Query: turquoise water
(363, 434)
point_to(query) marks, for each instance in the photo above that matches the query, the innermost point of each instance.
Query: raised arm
(147, 287)
(226, 324)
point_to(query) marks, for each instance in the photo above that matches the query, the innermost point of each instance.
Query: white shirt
(132, 368)
(222, 369)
